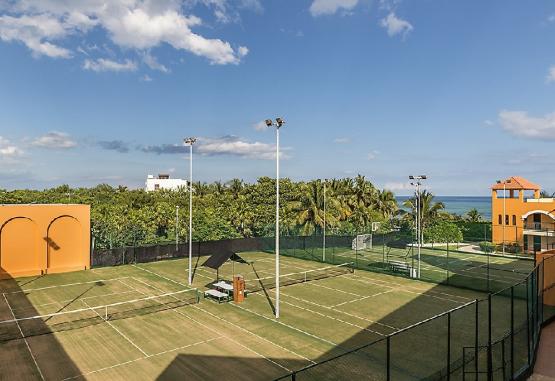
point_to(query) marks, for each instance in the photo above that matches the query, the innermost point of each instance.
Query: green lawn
(210, 341)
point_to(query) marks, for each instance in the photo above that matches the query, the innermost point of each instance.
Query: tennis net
(266, 283)
(28, 326)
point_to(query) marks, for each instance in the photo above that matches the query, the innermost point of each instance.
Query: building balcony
(539, 229)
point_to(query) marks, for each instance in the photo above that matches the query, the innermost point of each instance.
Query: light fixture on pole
(189, 142)
(278, 124)
(417, 183)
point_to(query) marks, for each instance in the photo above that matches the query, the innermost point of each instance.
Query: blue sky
(94, 93)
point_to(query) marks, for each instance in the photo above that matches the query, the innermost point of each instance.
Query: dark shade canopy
(217, 260)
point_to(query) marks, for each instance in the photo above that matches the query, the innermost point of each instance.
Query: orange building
(40, 239)
(520, 216)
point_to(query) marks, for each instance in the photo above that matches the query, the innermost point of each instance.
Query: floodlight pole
(277, 221)
(418, 218)
(176, 227)
(503, 220)
(324, 240)
(190, 142)
(278, 123)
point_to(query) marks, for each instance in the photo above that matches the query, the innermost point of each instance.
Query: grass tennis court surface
(171, 336)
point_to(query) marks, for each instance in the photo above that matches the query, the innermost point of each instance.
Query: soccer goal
(362, 242)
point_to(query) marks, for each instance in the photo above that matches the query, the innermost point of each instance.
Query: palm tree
(473, 215)
(386, 204)
(235, 186)
(428, 208)
(310, 208)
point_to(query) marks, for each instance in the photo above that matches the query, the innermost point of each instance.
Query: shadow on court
(32, 358)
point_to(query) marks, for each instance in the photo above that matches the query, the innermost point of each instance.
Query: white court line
(287, 325)
(405, 289)
(330, 317)
(61, 285)
(118, 331)
(24, 339)
(141, 358)
(363, 298)
(340, 311)
(227, 337)
(69, 300)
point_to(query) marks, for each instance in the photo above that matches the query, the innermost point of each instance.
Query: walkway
(545, 364)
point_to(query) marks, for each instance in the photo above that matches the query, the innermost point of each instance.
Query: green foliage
(124, 217)
(487, 247)
(443, 232)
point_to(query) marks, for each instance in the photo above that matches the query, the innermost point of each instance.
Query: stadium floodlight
(189, 142)
(278, 124)
(417, 183)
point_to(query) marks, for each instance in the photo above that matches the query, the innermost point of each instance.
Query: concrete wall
(40, 239)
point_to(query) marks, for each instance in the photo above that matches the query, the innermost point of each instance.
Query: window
(500, 219)
(514, 220)
(506, 219)
(156, 186)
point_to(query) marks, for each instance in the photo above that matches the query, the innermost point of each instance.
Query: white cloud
(395, 25)
(372, 155)
(34, 31)
(54, 140)
(236, 146)
(519, 123)
(394, 186)
(551, 18)
(8, 150)
(103, 64)
(146, 78)
(329, 7)
(342, 140)
(134, 24)
(489, 123)
(551, 74)
(152, 62)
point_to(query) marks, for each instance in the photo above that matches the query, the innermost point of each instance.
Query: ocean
(461, 204)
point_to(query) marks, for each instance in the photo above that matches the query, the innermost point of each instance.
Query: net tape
(259, 284)
(17, 328)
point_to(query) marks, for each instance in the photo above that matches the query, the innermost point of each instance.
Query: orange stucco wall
(40, 239)
(518, 207)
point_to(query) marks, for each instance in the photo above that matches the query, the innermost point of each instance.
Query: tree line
(235, 209)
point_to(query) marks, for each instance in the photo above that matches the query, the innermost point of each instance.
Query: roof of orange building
(516, 183)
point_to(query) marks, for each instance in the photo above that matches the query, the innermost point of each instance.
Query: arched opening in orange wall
(19, 254)
(65, 243)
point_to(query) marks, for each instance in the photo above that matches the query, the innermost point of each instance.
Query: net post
(106, 313)
(542, 264)
(293, 376)
(449, 346)
(512, 331)
(388, 358)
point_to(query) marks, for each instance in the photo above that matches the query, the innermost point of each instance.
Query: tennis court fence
(392, 253)
(495, 338)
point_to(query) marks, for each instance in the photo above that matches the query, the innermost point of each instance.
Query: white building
(164, 182)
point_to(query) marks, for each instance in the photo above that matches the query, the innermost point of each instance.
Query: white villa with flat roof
(163, 181)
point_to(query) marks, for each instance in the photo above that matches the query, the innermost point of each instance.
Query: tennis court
(441, 265)
(143, 322)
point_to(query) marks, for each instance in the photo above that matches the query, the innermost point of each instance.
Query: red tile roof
(516, 183)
